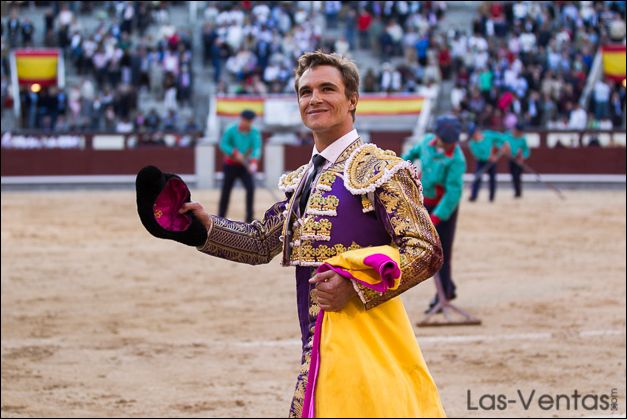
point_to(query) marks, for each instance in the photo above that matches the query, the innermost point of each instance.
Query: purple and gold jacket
(368, 197)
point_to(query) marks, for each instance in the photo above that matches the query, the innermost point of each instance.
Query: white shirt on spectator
(223, 18)
(481, 59)
(211, 13)
(587, 11)
(514, 45)
(65, 17)
(601, 91)
(300, 17)
(459, 47)
(477, 43)
(100, 60)
(509, 78)
(570, 11)
(391, 80)
(489, 27)
(87, 90)
(429, 91)
(457, 95)
(237, 17)
(124, 127)
(527, 41)
(578, 119)
(89, 47)
(342, 46)
(554, 59)
(261, 12)
(562, 37)
(129, 12)
(171, 63)
(395, 31)
(271, 73)
(284, 23)
(332, 6)
(169, 99)
(234, 36)
(521, 86)
(605, 124)
(520, 10)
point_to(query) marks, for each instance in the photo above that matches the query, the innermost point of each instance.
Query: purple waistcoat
(334, 221)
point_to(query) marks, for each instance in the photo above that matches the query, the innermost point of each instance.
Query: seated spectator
(578, 119)
(124, 126)
(170, 122)
(152, 121)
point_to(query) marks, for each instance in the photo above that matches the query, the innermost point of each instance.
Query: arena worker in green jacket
(241, 146)
(519, 152)
(443, 165)
(485, 146)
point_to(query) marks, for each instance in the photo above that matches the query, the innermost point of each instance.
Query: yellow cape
(370, 364)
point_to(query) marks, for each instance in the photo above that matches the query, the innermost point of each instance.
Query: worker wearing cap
(519, 153)
(241, 145)
(484, 146)
(443, 165)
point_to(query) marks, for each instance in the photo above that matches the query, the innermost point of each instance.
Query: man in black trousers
(241, 145)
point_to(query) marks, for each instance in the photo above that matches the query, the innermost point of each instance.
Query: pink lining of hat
(168, 203)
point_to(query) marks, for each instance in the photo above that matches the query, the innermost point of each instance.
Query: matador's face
(322, 100)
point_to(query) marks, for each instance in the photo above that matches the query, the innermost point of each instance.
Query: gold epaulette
(369, 167)
(289, 181)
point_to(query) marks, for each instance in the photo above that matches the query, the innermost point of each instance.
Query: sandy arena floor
(101, 319)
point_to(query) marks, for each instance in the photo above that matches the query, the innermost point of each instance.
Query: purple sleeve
(251, 243)
(400, 208)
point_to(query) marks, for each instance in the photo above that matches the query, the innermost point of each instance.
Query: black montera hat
(159, 198)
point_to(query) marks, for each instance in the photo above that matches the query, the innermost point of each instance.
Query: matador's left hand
(332, 290)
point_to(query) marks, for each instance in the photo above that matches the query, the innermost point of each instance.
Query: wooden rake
(444, 306)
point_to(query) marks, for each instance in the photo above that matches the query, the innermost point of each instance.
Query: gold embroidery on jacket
(369, 165)
(316, 230)
(289, 181)
(308, 255)
(366, 205)
(325, 181)
(412, 232)
(322, 205)
(254, 243)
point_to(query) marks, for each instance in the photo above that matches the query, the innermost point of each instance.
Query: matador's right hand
(199, 212)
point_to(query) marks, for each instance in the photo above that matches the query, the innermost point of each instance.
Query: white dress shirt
(334, 150)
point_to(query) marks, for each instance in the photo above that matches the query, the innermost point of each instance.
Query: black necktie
(318, 162)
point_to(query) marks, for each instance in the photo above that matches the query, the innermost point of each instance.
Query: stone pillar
(273, 164)
(205, 163)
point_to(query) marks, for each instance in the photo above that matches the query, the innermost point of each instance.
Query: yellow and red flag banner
(233, 106)
(368, 105)
(390, 105)
(614, 62)
(37, 66)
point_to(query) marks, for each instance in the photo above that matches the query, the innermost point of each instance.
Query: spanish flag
(233, 106)
(37, 66)
(370, 105)
(614, 62)
(390, 105)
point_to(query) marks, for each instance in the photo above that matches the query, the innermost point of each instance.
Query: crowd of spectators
(257, 43)
(529, 61)
(251, 47)
(523, 61)
(132, 50)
